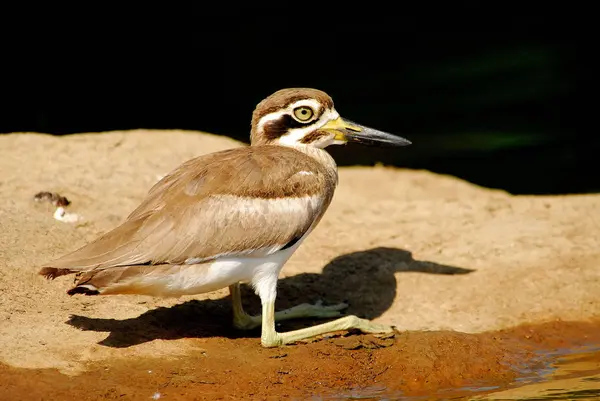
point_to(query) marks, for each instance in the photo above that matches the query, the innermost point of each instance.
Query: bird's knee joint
(271, 341)
(245, 322)
(353, 320)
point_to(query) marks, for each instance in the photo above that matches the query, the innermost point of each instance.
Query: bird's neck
(320, 155)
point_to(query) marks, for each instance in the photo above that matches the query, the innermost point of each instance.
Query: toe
(339, 306)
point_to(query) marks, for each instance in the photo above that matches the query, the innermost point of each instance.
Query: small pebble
(53, 198)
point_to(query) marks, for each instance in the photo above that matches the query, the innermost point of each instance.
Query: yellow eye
(303, 113)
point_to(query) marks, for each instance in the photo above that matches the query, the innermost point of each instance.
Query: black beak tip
(398, 142)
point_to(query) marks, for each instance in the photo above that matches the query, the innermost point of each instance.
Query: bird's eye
(303, 113)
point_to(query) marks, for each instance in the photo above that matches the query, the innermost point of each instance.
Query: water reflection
(571, 375)
(562, 374)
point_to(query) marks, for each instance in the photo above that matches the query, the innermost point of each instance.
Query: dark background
(489, 94)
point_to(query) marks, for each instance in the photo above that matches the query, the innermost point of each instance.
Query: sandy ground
(410, 248)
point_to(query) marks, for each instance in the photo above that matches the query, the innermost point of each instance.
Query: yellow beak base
(338, 126)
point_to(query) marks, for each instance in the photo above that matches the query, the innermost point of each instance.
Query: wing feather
(244, 201)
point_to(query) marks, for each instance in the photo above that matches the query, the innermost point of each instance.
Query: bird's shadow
(365, 280)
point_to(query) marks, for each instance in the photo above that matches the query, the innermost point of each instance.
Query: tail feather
(51, 273)
(84, 290)
(118, 247)
(138, 279)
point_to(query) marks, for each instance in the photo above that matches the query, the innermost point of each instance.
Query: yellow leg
(244, 321)
(271, 338)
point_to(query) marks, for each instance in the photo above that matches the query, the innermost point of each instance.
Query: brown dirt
(410, 363)
(410, 248)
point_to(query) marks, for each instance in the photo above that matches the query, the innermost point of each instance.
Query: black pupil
(304, 111)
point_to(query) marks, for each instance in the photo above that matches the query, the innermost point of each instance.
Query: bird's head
(304, 116)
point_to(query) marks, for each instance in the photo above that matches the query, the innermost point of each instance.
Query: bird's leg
(244, 321)
(271, 338)
(241, 320)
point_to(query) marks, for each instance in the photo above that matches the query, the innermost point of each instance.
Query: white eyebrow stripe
(313, 104)
(276, 115)
(270, 117)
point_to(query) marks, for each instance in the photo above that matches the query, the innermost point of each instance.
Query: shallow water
(563, 374)
(569, 375)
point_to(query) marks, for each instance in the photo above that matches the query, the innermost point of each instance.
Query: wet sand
(416, 363)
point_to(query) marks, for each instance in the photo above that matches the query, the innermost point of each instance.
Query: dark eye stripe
(277, 128)
(313, 136)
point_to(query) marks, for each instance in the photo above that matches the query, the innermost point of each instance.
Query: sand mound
(411, 248)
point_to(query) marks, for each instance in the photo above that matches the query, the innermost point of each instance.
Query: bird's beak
(347, 131)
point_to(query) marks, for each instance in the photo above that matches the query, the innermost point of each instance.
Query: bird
(234, 217)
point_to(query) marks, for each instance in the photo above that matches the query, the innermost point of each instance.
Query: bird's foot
(273, 339)
(244, 321)
(306, 310)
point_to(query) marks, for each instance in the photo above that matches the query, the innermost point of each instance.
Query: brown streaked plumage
(313, 137)
(191, 213)
(231, 216)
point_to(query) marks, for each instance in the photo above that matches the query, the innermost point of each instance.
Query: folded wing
(244, 201)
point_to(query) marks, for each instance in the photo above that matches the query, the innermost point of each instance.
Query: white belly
(206, 277)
